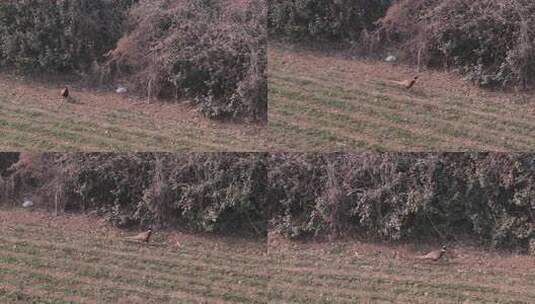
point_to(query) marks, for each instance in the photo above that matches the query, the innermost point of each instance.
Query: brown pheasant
(407, 84)
(433, 255)
(143, 237)
(65, 93)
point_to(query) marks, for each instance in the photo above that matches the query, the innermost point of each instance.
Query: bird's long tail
(402, 83)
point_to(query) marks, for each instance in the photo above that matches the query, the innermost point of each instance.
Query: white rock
(121, 90)
(27, 203)
(391, 58)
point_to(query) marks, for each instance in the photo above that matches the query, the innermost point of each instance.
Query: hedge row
(212, 52)
(486, 197)
(490, 42)
(202, 192)
(326, 20)
(489, 197)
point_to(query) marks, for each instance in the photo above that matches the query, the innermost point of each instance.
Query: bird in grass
(65, 93)
(433, 255)
(407, 84)
(66, 96)
(143, 237)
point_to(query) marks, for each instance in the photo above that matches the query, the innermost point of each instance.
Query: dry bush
(487, 197)
(211, 51)
(490, 41)
(211, 192)
(34, 176)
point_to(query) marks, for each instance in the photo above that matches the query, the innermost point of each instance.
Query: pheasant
(433, 255)
(143, 237)
(66, 96)
(407, 84)
(65, 93)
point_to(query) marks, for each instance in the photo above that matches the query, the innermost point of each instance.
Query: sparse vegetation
(491, 42)
(453, 198)
(357, 272)
(31, 119)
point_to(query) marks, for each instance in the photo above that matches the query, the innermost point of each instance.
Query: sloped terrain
(32, 118)
(81, 260)
(328, 102)
(354, 272)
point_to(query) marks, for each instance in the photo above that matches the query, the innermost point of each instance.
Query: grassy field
(56, 260)
(77, 259)
(351, 272)
(31, 119)
(320, 101)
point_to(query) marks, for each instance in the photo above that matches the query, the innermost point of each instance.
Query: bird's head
(444, 248)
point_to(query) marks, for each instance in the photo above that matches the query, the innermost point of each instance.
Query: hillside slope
(31, 118)
(355, 272)
(328, 102)
(78, 259)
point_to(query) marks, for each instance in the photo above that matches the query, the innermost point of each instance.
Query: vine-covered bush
(67, 35)
(404, 196)
(202, 192)
(490, 41)
(7, 159)
(213, 52)
(334, 20)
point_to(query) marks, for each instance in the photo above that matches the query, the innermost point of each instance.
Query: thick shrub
(67, 35)
(209, 192)
(7, 159)
(403, 196)
(213, 52)
(490, 41)
(334, 20)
